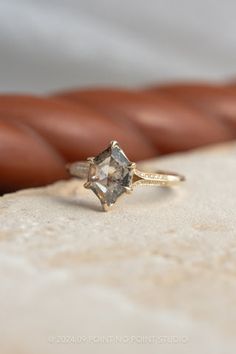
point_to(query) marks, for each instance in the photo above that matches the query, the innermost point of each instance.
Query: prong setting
(90, 159)
(128, 190)
(113, 143)
(105, 207)
(87, 185)
(132, 166)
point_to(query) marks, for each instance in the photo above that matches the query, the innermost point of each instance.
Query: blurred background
(50, 45)
(158, 76)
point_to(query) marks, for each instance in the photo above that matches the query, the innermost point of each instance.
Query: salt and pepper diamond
(110, 175)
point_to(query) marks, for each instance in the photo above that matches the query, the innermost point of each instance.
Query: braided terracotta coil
(39, 135)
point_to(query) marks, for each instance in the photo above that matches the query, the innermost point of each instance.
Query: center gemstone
(110, 174)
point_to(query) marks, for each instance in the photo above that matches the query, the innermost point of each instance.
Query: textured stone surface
(161, 263)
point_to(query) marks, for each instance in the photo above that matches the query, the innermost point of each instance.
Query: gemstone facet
(110, 174)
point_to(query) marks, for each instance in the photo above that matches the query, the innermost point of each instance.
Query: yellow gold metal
(128, 190)
(132, 166)
(159, 178)
(90, 159)
(105, 207)
(113, 143)
(87, 185)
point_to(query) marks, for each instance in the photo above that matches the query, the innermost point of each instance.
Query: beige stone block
(160, 267)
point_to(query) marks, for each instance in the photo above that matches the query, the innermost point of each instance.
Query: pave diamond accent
(110, 174)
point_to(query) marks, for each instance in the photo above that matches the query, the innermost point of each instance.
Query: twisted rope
(39, 135)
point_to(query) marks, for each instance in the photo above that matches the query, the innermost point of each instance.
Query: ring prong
(87, 185)
(132, 165)
(113, 143)
(128, 190)
(90, 159)
(105, 207)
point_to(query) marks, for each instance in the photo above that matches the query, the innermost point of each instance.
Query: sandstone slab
(156, 274)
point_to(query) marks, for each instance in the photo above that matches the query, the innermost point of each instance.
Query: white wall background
(55, 44)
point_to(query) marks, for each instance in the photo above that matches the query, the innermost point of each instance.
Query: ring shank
(79, 169)
(159, 178)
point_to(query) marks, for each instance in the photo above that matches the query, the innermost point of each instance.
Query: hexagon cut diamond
(110, 174)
